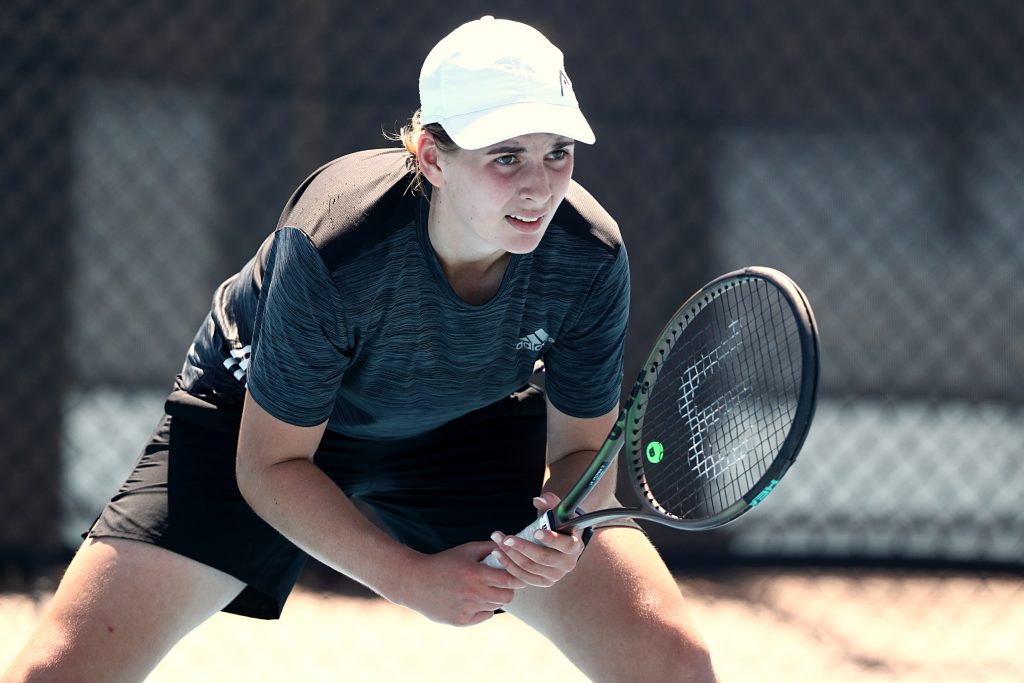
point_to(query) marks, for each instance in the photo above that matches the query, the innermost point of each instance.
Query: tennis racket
(718, 412)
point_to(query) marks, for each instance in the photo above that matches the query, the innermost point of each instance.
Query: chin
(523, 244)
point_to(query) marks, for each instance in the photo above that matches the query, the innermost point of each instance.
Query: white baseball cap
(494, 79)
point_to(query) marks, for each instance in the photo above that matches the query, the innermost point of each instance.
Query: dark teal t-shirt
(345, 313)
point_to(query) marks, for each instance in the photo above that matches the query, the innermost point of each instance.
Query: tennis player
(365, 391)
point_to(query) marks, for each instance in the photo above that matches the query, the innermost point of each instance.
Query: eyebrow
(519, 149)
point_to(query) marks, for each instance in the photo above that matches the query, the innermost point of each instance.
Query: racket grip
(543, 522)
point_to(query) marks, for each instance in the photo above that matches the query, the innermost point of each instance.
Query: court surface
(768, 626)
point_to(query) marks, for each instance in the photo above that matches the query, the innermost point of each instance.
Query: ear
(429, 158)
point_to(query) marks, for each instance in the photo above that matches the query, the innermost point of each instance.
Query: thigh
(182, 496)
(119, 608)
(619, 616)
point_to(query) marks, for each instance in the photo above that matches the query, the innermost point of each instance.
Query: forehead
(530, 141)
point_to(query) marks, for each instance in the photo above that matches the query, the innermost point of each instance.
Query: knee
(30, 667)
(691, 666)
(696, 666)
(687, 658)
(44, 657)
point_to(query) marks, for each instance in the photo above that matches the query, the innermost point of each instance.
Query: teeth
(526, 220)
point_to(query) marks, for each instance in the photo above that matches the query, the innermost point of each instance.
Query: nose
(536, 184)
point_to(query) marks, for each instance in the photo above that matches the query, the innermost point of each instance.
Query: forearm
(300, 501)
(563, 474)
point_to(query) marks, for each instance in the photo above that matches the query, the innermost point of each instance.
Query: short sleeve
(298, 358)
(584, 366)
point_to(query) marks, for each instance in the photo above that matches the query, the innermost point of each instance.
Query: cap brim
(481, 129)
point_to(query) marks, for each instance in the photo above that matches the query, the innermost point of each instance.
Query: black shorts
(449, 486)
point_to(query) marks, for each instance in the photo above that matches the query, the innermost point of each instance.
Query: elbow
(246, 477)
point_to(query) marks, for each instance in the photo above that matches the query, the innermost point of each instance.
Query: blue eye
(506, 160)
(558, 154)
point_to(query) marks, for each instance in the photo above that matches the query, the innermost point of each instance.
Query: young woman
(361, 393)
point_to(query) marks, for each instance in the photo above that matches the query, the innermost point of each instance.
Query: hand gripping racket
(719, 410)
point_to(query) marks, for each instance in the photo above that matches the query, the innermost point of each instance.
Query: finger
(510, 577)
(535, 564)
(500, 578)
(546, 501)
(528, 554)
(478, 550)
(493, 598)
(478, 618)
(570, 544)
(529, 572)
(498, 537)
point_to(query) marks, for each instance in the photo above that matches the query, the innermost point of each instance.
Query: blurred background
(874, 151)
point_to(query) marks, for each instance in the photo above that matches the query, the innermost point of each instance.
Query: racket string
(724, 402)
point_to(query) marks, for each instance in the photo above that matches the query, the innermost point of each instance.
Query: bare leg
(619, 615)
(121, 606)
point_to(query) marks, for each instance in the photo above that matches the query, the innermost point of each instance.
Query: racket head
(724, 401)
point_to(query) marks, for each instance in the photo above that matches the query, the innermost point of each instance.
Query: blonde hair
(409, 136)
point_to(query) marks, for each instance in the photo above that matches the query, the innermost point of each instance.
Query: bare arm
(572, 444)
(279, 480)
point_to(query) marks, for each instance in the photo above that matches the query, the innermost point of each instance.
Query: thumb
(478, 550)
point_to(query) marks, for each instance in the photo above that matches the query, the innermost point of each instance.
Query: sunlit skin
(493, 202)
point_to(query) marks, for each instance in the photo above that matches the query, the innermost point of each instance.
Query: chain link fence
(874, 151)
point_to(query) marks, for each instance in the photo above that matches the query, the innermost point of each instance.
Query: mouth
(526, 222)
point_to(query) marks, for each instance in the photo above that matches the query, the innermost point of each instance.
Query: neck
(474, 275)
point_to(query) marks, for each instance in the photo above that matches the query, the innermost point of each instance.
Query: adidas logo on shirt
(536, 341)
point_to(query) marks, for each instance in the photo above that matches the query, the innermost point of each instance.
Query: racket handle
(543, 522)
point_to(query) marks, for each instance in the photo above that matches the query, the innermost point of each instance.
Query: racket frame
(629, 425)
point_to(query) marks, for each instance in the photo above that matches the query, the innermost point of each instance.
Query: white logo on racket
(702, 422)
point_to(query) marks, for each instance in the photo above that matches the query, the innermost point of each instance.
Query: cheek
(564, 181)
(469, 195)
(560, 183)
(491, 191)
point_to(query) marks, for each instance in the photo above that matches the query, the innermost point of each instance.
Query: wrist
(397, 574)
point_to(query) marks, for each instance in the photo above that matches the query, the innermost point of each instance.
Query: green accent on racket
(655, 452)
